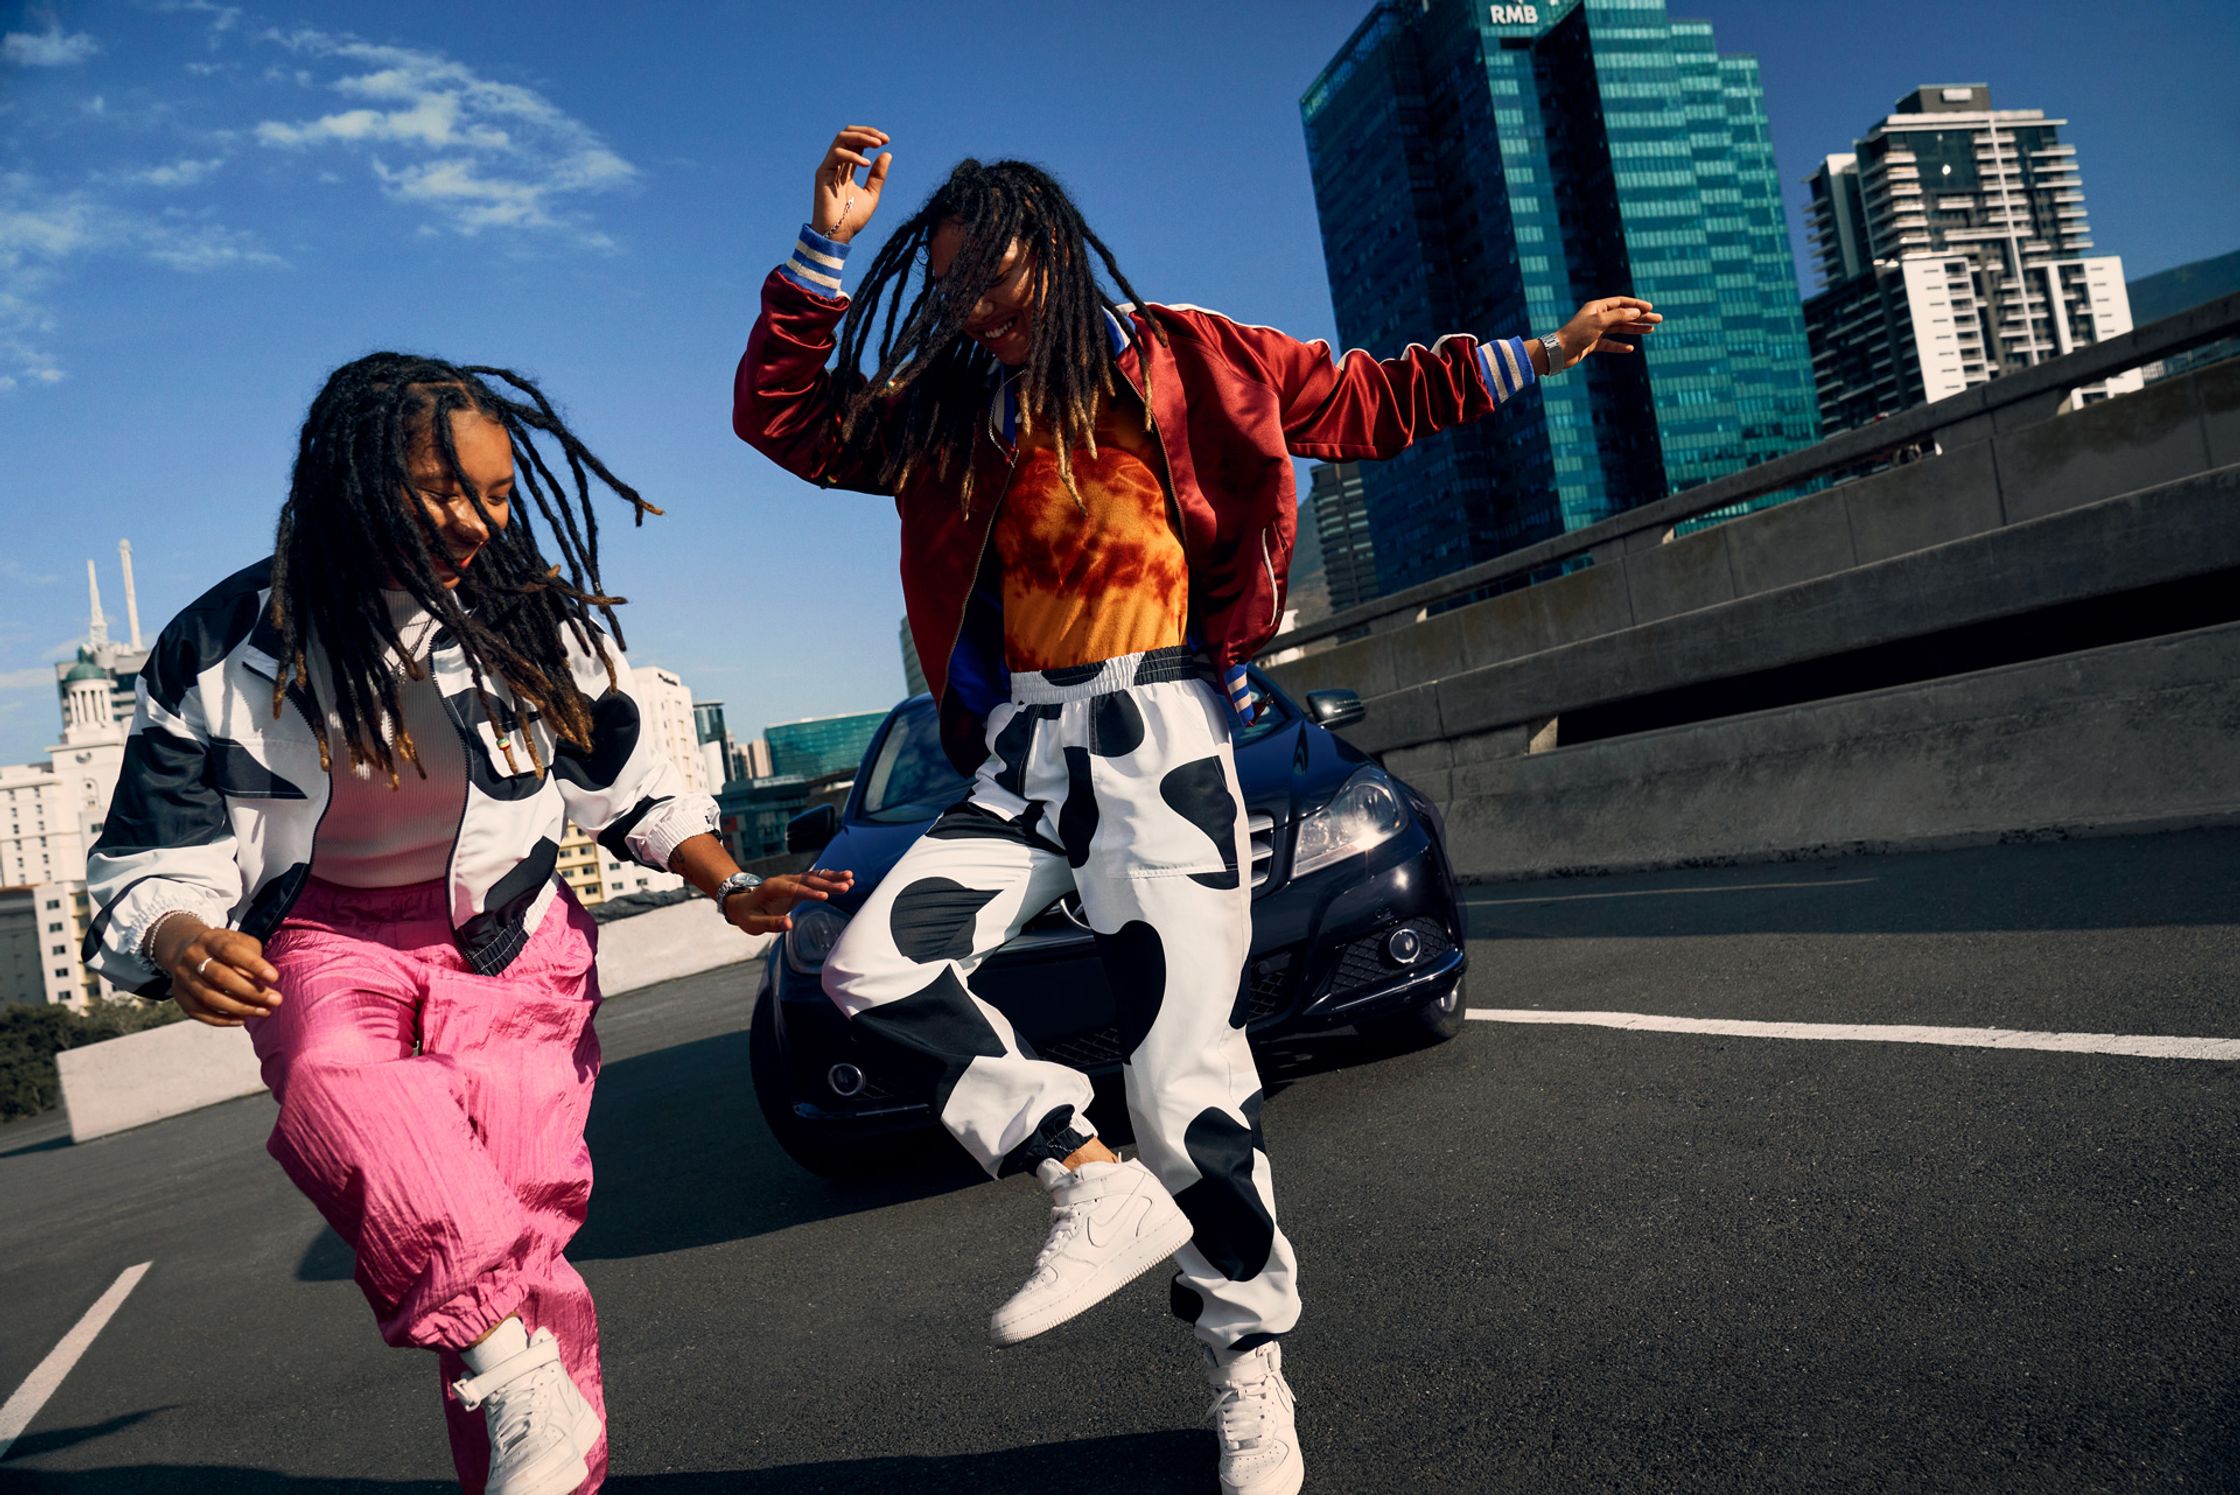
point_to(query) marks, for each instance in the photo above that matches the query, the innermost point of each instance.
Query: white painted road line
(1732, 887)
(41, 1384)
(2144, 1046)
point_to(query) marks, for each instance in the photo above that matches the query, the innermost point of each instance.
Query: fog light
(846, 1081)
(1405, 947)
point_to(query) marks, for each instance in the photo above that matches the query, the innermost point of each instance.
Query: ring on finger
(198, 970)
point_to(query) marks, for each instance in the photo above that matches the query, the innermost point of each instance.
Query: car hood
(1291, 771)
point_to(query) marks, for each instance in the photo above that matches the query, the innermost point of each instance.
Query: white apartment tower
(1952, 246)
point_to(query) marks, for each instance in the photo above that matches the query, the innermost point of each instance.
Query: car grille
(1364, 964)
(1090, 1050)
(1265, 985)
(1263, 847)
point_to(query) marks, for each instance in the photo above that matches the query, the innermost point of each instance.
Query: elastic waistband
(1078, 682)
(420, 900)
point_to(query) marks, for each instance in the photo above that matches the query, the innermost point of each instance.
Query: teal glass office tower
(1487, 168)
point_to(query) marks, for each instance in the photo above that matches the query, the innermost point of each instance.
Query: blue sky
(205, 207)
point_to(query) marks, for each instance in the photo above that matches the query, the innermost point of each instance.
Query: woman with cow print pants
(1097, 504)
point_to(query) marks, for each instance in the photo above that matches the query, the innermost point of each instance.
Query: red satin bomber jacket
(1232, 405)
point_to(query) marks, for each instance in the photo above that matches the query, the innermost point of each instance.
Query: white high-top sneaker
(542, 1430)
(1109, 1224)
(1252, 1415)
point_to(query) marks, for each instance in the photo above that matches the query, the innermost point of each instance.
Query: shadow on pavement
(1172, 1460)
(1130, 1464)
(682, 1159)
(43, 1144)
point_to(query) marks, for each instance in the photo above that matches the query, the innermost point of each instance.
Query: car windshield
(910, 778)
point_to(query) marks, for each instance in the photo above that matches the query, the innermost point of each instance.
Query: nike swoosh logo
(1104, 1224)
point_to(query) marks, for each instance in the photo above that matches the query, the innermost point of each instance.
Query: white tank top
(377, 837)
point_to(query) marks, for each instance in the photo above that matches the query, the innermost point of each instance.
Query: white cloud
(43, 232)
(475, 153)
(181, 173)
(48, 48)
(223, 18)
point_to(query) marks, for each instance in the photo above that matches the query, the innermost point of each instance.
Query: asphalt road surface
(1538, 1258)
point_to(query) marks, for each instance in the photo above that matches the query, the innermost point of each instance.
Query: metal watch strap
(737, 882)
(1553, 343)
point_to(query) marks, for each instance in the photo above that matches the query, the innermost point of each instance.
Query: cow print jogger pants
(1116, 780)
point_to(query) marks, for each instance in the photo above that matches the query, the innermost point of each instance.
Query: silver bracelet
(1552, 343)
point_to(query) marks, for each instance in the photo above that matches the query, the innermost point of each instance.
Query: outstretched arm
(784, 401)
(703, 862)
(1362, 407)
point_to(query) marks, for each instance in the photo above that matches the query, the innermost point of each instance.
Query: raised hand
(839, 206)
(1590, 331)
(219, 976)
(764, 911)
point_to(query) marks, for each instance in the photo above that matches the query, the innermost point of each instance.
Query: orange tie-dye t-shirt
(1081, 588)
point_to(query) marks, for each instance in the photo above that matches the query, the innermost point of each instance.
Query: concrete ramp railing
(1932, 651)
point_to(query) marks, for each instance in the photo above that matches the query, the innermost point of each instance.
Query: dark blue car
(1355, 923)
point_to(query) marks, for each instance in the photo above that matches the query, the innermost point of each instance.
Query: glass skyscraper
(1487, 168)
(821, 746)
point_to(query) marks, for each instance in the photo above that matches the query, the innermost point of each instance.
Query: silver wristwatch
(1553, 342)
(737, 882)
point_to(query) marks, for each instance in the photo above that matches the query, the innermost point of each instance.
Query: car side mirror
(813, 829)
(1335, 708)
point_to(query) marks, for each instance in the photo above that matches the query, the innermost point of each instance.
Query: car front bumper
(1326, 952)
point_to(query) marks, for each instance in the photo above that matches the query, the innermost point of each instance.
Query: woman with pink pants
(338, 822)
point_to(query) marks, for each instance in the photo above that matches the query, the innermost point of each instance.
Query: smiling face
(1002, 320)
(486, 458)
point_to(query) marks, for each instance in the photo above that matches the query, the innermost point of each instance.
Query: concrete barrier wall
(143, 1077)
(681, 939)
(2134, 736)
(1954, 522)
(146, 1076)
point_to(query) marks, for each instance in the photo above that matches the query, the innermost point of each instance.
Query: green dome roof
(84, 669)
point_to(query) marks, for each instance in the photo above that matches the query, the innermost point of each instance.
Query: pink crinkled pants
(435, 1117)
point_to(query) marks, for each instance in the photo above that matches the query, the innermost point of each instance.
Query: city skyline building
(120, 661)
(50, 815)
(820, 747)
(1337, 503)
(913, 671)
(754, 759)
(1307, 591)
(1488, 169)
(1950, 245)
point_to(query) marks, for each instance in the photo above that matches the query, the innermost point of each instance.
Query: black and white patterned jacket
(219, 801)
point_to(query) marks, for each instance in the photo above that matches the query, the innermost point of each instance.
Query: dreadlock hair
(938, 376)
(353, 525)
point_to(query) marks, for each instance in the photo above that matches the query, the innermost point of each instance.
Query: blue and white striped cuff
(1506, 365)
(1241, 700)
(816, 263)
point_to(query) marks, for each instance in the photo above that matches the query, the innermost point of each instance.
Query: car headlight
(1367, 812)
(816, 929)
